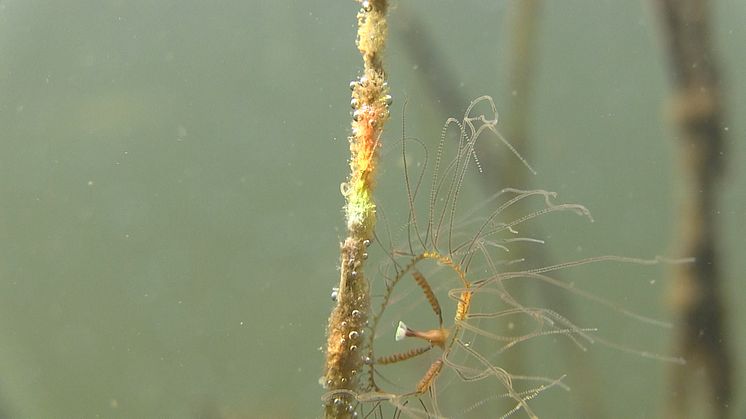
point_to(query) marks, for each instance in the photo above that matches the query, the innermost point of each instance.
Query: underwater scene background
(170, 207)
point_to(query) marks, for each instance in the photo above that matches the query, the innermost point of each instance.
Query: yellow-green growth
(370, 103)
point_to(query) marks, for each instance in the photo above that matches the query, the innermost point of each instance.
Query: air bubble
(353, 84)
(353, 274)
(356, 314)
(335, 293)
(388, 99)
(364, 255)
(356, 115)
(353, 103)
(367, 360)
(354, 335)
(366, 6)
(353, 348)
(366, 243)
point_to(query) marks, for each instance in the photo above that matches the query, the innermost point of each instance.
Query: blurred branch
(697, 110)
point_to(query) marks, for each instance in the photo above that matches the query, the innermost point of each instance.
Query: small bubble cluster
(364, 102)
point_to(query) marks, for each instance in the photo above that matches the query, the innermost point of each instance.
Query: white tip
(401, 331)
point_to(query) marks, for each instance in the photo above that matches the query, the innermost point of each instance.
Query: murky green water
(169, 189)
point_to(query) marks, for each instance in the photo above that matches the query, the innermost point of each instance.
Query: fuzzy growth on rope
(370, 103)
